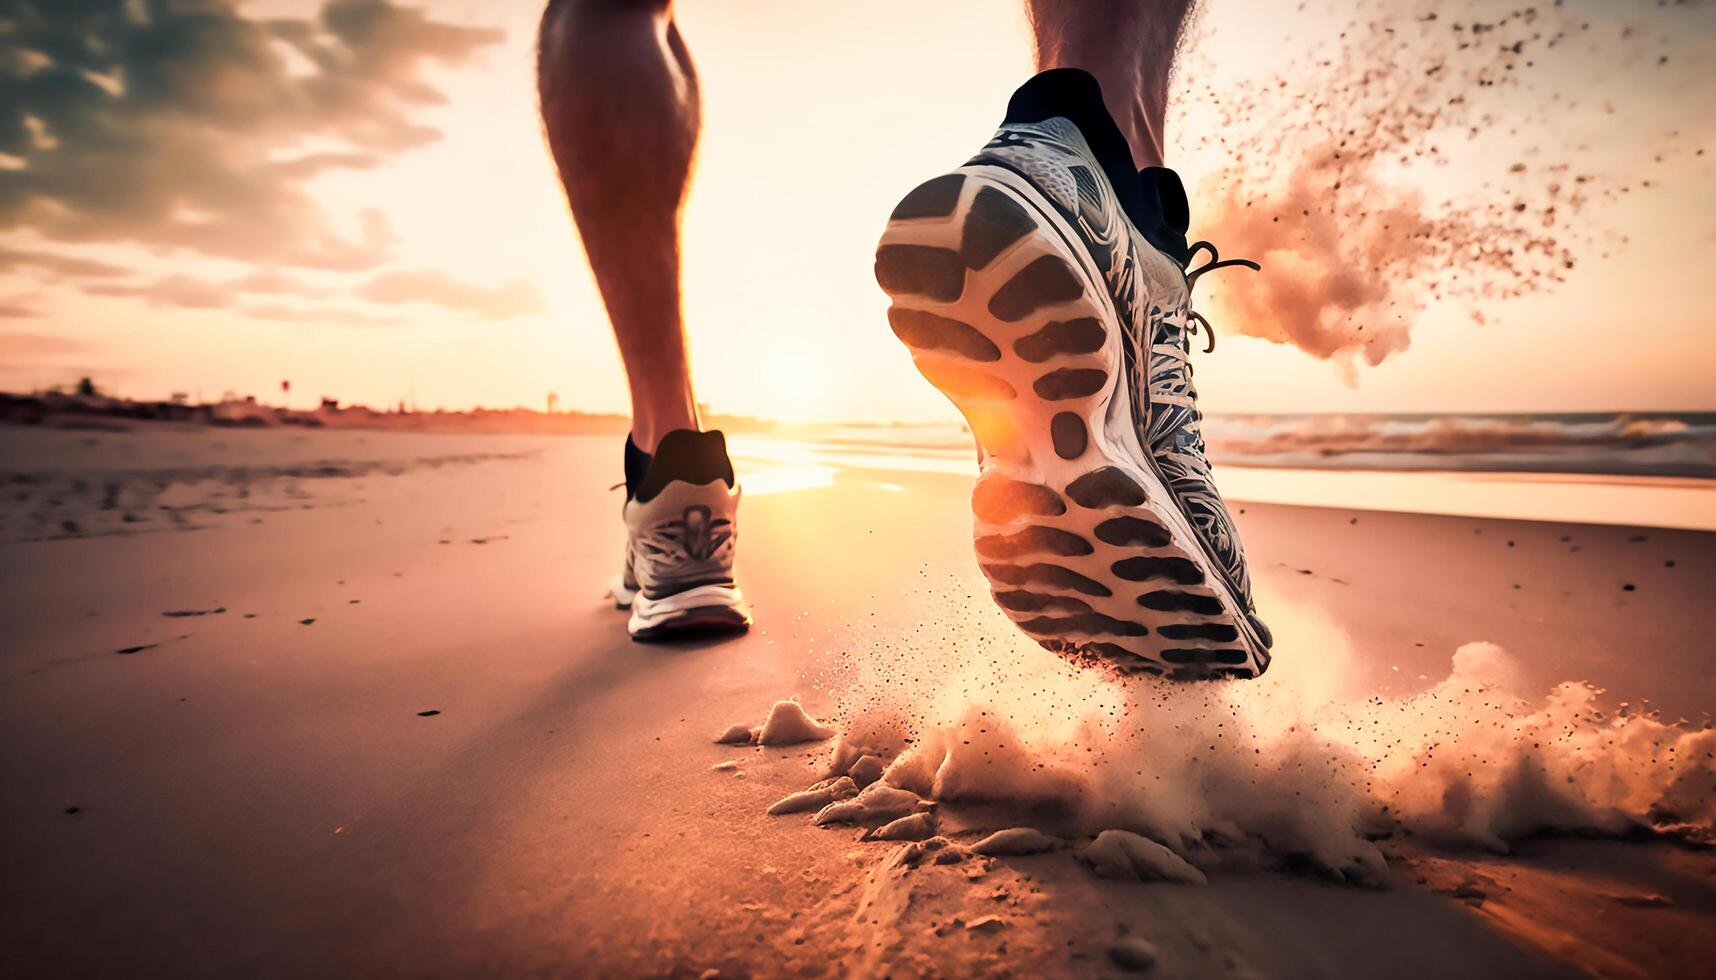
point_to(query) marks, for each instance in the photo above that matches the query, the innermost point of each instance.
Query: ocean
(1652, 469)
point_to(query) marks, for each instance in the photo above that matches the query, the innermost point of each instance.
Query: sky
(358, 199)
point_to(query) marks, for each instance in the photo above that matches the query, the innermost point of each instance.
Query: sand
(471, 770)
(787, 724)
(1126, 856)
(1132, 954)
(1015, 842)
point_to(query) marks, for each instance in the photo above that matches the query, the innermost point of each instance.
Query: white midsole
(622, 594)
(647, 612)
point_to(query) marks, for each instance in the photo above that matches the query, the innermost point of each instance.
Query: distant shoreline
(96, 411)
(1640, 444)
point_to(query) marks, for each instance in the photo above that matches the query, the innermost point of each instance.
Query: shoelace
(1186, 398)
(1194, 319)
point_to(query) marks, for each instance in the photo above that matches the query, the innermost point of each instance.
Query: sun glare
(799, 383)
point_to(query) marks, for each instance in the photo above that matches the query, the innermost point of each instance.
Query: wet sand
(403, 733)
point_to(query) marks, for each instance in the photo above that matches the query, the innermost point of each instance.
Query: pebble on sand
(867, 770)
(1126, 856)
(1132, 954)
(788, 724)
(916, 826)
(1015, 841)
(878, 801)
(936, 850)
(729, 766)
(1644, 900)
(816, 797)
(734, 735)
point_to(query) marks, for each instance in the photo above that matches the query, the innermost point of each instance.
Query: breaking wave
(1643, 444)
(1629, 443)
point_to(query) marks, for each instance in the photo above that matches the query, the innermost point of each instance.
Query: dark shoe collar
(1173, 214)
(684, 455)
(1074, 95)
(1154, 199)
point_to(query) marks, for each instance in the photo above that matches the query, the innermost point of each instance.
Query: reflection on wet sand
(772, 464)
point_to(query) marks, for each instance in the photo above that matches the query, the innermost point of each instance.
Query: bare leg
(1128, 45)
(619, 101)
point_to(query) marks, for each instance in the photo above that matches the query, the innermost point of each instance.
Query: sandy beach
(354, 704)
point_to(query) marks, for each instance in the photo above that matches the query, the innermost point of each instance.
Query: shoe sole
(709, 610)
(1084, 547)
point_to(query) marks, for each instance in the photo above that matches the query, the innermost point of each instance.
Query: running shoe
(681, 513)
(1044, 288)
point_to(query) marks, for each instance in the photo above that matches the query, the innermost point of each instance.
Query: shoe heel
(995, 315)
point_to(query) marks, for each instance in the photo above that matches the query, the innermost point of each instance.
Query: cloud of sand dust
(1297, 766)
(1440, 153)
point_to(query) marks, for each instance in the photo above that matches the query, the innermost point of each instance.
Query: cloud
(64, 265)
(179, 291)
(17, 308)
(515, 297)
(23, 346)
(274, 283)
(182, 125)
(317, 314)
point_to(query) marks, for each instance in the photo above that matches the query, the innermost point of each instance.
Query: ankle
(648, 428)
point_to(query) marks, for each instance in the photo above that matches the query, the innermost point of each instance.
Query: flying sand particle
(1346, 140)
